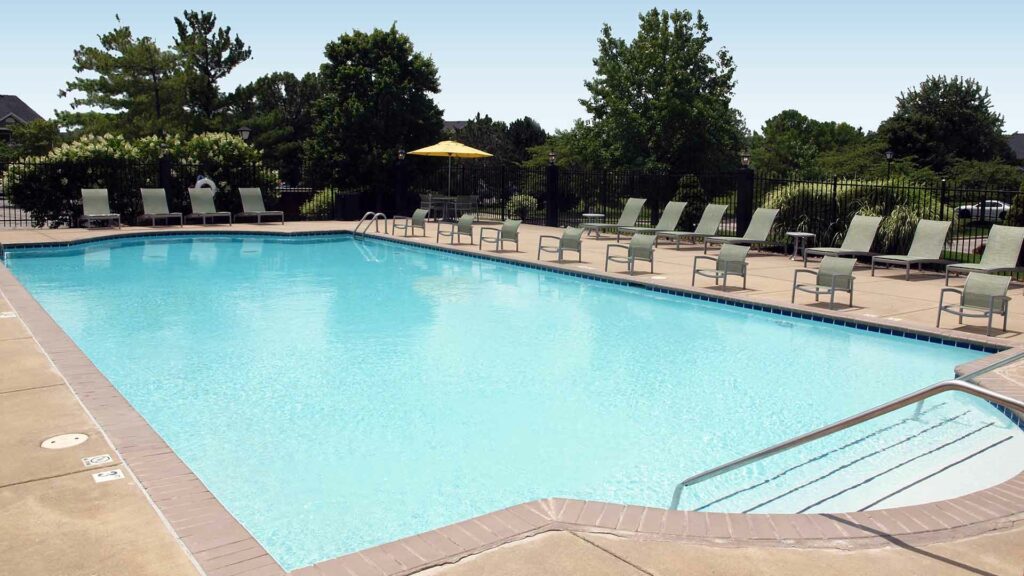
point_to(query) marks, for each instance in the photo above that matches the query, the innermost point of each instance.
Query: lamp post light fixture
(551, 158)
(401, 154)
(745, 160)
(889, 154)
(244, 132)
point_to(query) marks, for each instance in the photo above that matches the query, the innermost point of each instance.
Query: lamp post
(745, 160)
(552, 158)
(888, 163)
(244, 132)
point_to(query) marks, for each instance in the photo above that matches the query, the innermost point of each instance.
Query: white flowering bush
(49, 187)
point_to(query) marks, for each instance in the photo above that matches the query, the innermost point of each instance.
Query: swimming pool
(337, 393)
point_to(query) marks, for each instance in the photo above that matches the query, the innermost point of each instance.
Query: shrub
(320, 206)
(812, 207)
(521, 205)
(49, 186)
(690, 191)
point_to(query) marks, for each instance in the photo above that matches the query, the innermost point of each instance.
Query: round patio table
(800, 240)
(592, 218)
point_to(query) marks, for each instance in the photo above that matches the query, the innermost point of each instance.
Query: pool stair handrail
(958, 385)
(371, 218)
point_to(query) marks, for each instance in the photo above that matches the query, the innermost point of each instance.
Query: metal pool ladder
(959, 385)
(371, 218)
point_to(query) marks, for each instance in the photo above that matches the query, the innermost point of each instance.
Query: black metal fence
(48, 194)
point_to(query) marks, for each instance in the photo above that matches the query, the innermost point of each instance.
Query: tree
(489, 135)
(582, 146)
(34, 138)
(208, 54)
(375, 98)
(131, 77)
(791, 143)
(277, 107)
(943, 119)
(523, 134)
(664, 99)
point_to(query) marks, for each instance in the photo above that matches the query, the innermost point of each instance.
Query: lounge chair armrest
(799, 271)
(549, 237)
(711, 258)
(608, 249)
(1003, 301)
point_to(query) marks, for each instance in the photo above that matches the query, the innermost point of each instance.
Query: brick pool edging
(221, 546)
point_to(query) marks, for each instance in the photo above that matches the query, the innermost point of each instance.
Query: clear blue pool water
(335, 393)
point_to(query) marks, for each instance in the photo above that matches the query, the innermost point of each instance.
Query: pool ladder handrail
(374, 218)
(958, 385)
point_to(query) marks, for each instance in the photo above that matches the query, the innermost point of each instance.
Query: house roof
(454, 125)
(1016, 142)
(13, 106)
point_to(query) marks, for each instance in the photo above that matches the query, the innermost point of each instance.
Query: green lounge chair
(96, 208)
(418, 220)
(203, 206)
(571, 240)
(252, 206)
(641, 247)
(857, 242)
(667, 223)
(983, 296)
(509, 232)
(710, 220)
(1002, 249)
(926, 247)
(834, 275)
(732, 259)
(456, 230)
(630, 214)
(760, 227)
(154, 207)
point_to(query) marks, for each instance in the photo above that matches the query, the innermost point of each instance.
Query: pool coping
(222, 546)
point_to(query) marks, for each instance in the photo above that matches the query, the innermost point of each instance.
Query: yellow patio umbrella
(451, 149)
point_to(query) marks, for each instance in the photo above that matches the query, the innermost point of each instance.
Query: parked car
(986, 210)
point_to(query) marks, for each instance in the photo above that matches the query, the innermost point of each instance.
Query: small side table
(592, 218)
(800, 241)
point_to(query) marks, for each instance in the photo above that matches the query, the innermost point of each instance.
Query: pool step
(914, 455)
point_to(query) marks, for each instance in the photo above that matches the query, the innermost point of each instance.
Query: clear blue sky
(830, 60)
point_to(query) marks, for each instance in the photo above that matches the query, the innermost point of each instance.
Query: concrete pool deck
(55, 519)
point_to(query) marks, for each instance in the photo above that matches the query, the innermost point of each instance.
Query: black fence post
(164, 169)
(502, 190)
(744, 199)
(401, 185)
(552, 196)
(942, 201)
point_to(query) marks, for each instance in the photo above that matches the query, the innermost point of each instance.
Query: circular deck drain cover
(64, 441)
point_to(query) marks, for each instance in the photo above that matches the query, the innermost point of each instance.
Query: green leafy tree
(375, 98)
(791, 143)
(523, 134)
(664, 99)
(208, 54)
(277, 107)
(126, 85)
(582, 146)
(34, 138)
(485, 133)
(944, 119)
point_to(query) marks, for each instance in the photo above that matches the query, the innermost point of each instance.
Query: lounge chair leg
(908, 270)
